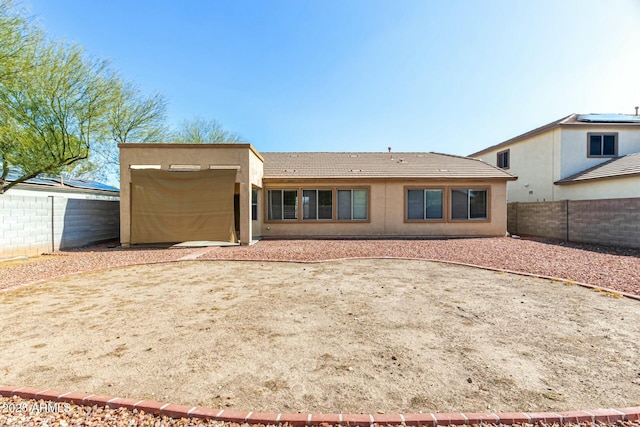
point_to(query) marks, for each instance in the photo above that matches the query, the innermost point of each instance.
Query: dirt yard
(342, 336)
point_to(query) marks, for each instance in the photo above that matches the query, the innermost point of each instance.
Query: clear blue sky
(448, 76)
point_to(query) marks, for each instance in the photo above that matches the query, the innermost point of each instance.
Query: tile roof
(319, 165)
(620, 167)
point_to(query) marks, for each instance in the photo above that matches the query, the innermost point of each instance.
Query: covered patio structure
(174, 193)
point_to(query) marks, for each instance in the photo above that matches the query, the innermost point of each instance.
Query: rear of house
(381, 195)
(313, 195)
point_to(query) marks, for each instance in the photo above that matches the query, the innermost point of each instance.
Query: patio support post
(245, 213)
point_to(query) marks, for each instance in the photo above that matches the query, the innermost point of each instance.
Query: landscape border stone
(307, 419)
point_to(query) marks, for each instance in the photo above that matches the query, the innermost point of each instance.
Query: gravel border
(600, 266)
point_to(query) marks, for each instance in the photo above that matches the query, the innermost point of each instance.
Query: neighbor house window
(353, 204)
(602, 144)
(424, 204)
(283, 204)
(503, 159)
(254, 204)
(467, 204)
(317, 204)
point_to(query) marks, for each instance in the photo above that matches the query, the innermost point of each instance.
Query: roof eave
(537, 131)
(599, 178)
(268, 179)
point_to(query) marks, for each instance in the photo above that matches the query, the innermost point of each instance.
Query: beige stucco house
(230, 192)
(578, 157)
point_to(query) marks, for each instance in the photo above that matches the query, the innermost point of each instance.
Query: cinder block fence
(31, 225)
(612, 222)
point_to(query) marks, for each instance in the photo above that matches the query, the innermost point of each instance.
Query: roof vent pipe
(637, 110)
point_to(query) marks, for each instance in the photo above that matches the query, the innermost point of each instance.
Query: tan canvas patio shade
(182, 206)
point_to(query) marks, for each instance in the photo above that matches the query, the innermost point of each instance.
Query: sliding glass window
(469, 204)
(425, 204)
(317, 204)
(283, 204)
(353, 204)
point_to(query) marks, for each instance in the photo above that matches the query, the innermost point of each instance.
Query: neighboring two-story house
(579, 157)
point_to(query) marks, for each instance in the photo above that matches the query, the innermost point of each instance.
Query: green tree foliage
(63, 111)
(57, 104)
(53, 113)
(133, 117)
(202, 131)
(17, 36)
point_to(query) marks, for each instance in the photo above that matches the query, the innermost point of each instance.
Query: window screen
(424, 204)
(353, 204)
(317, 204)
(283, 204)
(469, 204)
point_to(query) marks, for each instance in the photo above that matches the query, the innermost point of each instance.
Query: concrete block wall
(543, 219)
(31, 225)
(512, 218)
(613, 222)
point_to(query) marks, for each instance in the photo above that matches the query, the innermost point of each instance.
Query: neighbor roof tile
(620, 167)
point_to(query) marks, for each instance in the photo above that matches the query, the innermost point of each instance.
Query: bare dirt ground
(341, 336)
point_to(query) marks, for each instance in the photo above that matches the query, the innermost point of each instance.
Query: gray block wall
(612, 222)
(542, 219)
(31, 225)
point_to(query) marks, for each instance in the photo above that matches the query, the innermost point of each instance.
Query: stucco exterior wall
(387, 212)
(600, 189)
(242, 156)
(255, 177)
(574, 156)
(533, 161)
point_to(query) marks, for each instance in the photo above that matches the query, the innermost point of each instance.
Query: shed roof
(320, 165)
(620, 167)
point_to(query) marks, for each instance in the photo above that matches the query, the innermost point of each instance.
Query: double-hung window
(602, 144)
(469, 204)
(425, 204)
(317, 204)
(283, 204)
(353, 204)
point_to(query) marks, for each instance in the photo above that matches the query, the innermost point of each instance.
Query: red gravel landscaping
(607, 267)
(615, 268)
